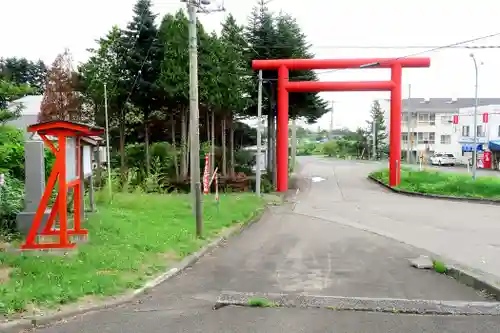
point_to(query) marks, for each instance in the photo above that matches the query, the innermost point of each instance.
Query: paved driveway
(465, 232)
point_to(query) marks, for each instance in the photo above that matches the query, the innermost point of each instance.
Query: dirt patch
(5, 274)
(4, 246)
(170, 257)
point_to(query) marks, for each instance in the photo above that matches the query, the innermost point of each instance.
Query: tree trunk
(123, 163)
(184, 164)
(231, 147)
(224, 150)
(212, 148)
(146, 147)
(174, 146)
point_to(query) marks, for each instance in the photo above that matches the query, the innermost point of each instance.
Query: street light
(474, 156)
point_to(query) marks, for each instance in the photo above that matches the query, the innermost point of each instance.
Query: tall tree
(174, 77)
(143, 63)
(60, 100)
(23, 71)
(377, 117)
(107, 66)
(237, 80)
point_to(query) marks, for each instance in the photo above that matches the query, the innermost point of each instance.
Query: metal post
(108, 155)
(331, 124)
(194, 115)
(408, 119)
(374, 139)
(474, 161)
(259, 139)
(294, 143)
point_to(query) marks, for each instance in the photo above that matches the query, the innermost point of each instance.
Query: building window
(432, 119)
(445, 139)
(480, 131)
(423, 118)
(465, 130)
(404, 137)
(426, 137)
(498, 130)
(446, 120)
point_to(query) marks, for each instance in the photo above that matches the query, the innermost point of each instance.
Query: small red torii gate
(283, 66)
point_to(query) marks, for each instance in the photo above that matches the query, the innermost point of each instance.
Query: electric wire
(446, 46)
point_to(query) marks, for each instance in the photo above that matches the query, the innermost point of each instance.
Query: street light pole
(474, 156)
(330, 133)
(408, 119)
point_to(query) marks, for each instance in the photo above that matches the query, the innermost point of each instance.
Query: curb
(435, 196)
(365, 304)
(33, 322)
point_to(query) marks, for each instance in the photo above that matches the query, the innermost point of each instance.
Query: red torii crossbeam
(62, 130)
(283, 66)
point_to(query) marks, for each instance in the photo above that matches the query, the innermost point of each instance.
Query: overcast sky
(42, 29)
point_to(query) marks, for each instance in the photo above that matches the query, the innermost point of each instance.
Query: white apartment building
(431, 127)
(488, 133)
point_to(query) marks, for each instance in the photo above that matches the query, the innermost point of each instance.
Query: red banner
(455, 119)
(485, 117)
(206, 175)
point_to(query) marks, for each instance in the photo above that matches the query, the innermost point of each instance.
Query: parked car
(443, 159)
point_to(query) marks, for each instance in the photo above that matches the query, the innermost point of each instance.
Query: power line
(387, 47)
(447, 46)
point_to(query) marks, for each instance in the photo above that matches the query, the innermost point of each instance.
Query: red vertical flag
(455, 119)
(485, 117)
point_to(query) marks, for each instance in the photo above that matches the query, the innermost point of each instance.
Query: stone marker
(34, 185)
(422, 262)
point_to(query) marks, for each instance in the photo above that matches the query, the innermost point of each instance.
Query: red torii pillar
(283, 66)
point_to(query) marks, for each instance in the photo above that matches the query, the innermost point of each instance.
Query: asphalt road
(314, 246)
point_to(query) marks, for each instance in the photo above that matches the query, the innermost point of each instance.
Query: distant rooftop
(31, 105)
(444, 105)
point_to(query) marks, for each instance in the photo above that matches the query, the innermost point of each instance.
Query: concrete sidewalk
(290, 253)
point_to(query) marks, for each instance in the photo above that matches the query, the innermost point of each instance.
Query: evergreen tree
(377, 117)
(60, 100)
(107, 66)
(22, 71)
(143, 60)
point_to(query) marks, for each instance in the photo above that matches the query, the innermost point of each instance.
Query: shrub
(11, 203)
(330, 148)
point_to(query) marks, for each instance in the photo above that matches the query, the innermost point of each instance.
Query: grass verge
(130, 240)
(261, 303)
(444, 183)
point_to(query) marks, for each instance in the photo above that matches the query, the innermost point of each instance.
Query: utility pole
(194, 129)
(408, 119)
(194, 117)
(259, 139)
(474, 161)
(330, 133)
(374, 139)
(108, 155)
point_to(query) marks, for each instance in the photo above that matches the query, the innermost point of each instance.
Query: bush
(11, 203)
(330, 148)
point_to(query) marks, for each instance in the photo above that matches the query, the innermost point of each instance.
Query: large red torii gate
(285, 86)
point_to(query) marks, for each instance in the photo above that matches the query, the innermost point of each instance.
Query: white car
(443, 159)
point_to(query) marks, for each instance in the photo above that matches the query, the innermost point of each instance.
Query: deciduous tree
(60, 100)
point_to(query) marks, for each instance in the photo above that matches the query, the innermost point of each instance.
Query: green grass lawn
(444, 183)
(131, 240)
